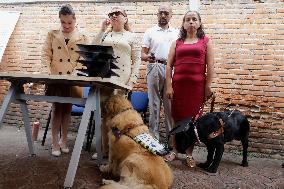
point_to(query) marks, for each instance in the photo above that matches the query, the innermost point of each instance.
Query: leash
(232, 112)
(212, 95)
(185, 124)
(200, 113)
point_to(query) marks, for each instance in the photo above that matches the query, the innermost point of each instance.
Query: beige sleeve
(135, 58)
(98, 38)
(46, 56)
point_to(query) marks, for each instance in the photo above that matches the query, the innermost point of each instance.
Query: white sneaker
(64, 149)
(55, 153)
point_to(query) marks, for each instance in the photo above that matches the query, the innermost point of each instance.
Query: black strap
(181, 126)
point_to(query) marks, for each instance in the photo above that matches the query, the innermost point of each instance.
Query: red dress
(189, 79)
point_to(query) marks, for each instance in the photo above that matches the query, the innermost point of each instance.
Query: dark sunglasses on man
(116, 13)
(163, 12)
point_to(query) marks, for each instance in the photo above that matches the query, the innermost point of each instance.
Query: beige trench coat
(61, 59)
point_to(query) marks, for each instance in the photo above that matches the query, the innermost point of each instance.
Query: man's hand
(150, 58)
(147, 56)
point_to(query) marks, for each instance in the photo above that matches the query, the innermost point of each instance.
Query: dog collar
(117, 133)
(219, 131)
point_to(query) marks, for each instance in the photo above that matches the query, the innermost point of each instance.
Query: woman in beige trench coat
(59, 54)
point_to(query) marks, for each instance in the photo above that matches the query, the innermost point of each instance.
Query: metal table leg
(10, 96)
(28, 130)
(98, 124)
(71, 172)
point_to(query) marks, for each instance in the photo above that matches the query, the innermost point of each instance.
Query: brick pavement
(20, 171)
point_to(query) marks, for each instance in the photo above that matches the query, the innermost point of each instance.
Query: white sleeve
(98, 38)
(146, 39)
(135, 57)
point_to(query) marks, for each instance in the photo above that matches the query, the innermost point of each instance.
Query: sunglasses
(116, 13)
(163, 12)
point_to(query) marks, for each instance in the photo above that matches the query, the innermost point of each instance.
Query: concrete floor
(20, 171)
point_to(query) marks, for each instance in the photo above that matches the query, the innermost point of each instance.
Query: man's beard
(163, 22)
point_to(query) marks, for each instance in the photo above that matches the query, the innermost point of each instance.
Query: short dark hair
(66, 10)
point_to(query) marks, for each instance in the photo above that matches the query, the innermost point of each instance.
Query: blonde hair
(126, 25)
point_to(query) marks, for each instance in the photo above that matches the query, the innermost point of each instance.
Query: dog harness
(151, 144)
(145, 140)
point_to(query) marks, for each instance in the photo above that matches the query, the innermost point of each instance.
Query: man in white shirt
(155, 49)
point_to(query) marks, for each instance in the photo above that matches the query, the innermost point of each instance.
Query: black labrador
(214, 130)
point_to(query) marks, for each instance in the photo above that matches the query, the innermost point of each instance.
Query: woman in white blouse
(115, 32)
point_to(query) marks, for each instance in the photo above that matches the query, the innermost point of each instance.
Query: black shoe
(282, 165)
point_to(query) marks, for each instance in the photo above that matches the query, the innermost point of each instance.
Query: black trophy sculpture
(99, 61)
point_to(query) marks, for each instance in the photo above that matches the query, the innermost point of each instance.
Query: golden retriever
(136, 167)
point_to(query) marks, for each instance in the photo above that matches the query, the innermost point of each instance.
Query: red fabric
(189, 79)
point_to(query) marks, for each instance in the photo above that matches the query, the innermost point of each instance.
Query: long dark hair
(183, 33)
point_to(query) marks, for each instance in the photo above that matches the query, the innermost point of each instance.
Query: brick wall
(248, 43)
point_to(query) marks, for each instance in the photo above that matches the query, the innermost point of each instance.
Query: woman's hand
(105, 24)
(130, 84)
(170, 92)
(208, 92)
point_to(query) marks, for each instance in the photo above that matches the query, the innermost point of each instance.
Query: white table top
(76, 80)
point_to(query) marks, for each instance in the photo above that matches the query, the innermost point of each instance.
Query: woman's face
(67, 23)
(191, 22)
(117, 18)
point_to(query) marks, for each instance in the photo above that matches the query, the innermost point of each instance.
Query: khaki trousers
(156, 83)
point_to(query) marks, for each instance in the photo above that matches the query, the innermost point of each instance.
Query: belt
(162, 61)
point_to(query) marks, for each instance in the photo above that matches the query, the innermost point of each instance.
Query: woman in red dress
(189, 73)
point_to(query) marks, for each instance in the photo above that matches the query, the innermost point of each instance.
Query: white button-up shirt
(159, 41)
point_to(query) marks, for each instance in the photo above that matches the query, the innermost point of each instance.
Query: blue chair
(77, 110)
(139, 101)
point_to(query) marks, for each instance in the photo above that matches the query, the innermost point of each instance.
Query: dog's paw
(104, 168)
(211, 169)
(203, 165)
(244, 164)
